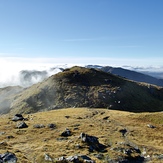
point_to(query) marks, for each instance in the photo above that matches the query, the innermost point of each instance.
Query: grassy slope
(82, 87)
(30, 144)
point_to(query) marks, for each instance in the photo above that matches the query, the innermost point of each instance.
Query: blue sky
(110, 32)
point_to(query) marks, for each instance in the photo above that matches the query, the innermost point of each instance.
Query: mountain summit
(87, 87)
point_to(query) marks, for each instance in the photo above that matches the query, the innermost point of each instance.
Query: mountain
(85, 87)
(7, 96)
(129, 74)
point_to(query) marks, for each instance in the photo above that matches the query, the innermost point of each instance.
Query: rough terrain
(114, 136)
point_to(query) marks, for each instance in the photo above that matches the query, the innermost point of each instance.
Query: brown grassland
(30, 144)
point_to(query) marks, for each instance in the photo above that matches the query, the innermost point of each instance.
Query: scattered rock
(66, 133)
(87, 159)
(67, 116)
(93, 142)
(76, 128)
(62, 139)
(123, 131)
(151, 126)
(48, 158)
(21, 125)
(106, 118)
(61, 159)
(17, 117)
(2, 133)
(158, 156)
(8, 158)
(128, 150)
(38, 126)
(75, 159)
(51, 126)
(10, 137)
(99, 156)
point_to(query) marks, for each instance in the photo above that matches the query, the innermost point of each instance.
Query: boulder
(38, 126)
(66, 133)
(92, 142)
(123, 131)
(17, 117)
(8, 158)
(48, 158)
(75, 159)
(151, 126)
(21, 125)
(51, 126)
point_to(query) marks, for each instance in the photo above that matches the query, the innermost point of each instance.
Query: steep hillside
(7, 96)
(83, 87)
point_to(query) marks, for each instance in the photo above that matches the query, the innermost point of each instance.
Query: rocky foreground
(81, 135)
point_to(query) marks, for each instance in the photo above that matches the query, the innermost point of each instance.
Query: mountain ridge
(87, 87)
(130, 74)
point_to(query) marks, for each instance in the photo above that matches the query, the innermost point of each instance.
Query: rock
(132, 153)
(85, 158)
(10, 137)
(51, 126)
(76, 128)
(38, 126)
(48, 158)
(17, 117)
(66, 133)
(21, 125)
(158, 156)
(150, 126)
(123, 131)
(67, 116)
(106, 118)
(61, 159)
(8, 158)
(93, 142)
(2, 133)
(99, 156)
(75, 159)
(61, 139)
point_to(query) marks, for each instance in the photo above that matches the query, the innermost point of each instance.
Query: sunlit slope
(31, 144)
(83, 87)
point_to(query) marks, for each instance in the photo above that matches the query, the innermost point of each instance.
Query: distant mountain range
(131, 75)
(27, 78)
(82, 87)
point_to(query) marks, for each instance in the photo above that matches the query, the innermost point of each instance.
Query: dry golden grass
(30, 144)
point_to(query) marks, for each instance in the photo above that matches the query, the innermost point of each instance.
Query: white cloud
(10, 67)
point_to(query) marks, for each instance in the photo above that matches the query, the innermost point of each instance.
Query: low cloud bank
(25, 72)
(25, 78)
(28, 71)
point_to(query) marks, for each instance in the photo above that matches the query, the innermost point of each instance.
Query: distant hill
(7, 96)
(129, 74)
(84, 87)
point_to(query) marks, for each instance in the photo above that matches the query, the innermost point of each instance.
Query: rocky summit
(87, 87)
